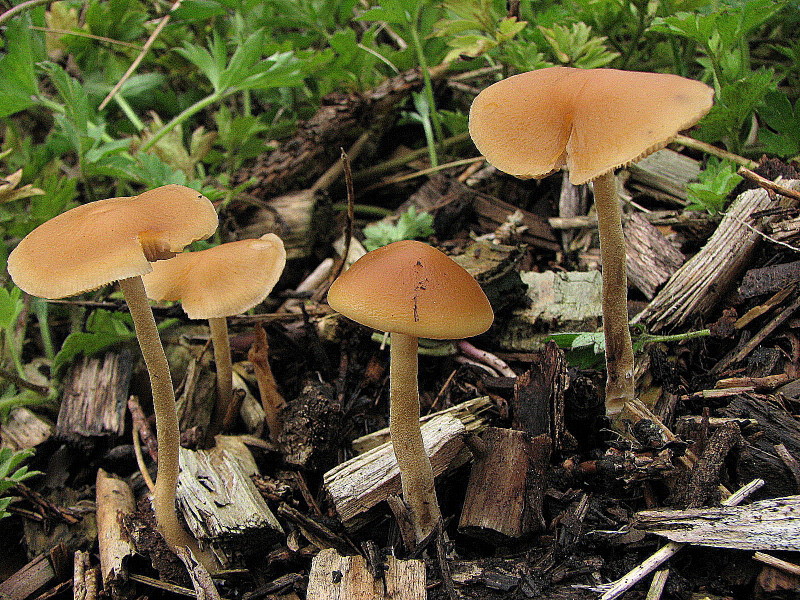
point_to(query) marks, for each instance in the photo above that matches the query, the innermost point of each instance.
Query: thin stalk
(184, 115)
(416, 473)
(222, 357)
(428, 86)
(167, 430)
(619, 349)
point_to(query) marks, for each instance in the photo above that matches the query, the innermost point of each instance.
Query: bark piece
(359, 484)
(337, 577)
(317, 143)
(763, 525)
(221, 504)
(700, 284)
(84, 577)
(506, 487)
(650, 258)
(311, 427)
(666, 170)
(539, 395)
(24, 429)
(705, 477)
(559, 301)
(46, 569)
(95, 395)
(114, 502)
(769, 280)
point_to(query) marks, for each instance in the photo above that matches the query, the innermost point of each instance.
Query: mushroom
(592, 121)
(217, 283)
(116, 240)
(411, 290)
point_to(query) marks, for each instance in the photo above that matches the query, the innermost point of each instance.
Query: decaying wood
(220, 502)
(84, 577)
(195, 396)
(616, 588)
(336, 577)
(650, 258)
(45, 570)
(666, 170)
(114, 501)
(94, 399)
(311, 427)
(506, 486)
(538, 402)
(700, 284)
(763, 525)
(559, 301)
(359, 484)
(203, 585)
(317, 142)
(442, 196)
(271, 399)
(470, 413)
(573, 201)
(704, 479)
(769, 279)
(24, 429)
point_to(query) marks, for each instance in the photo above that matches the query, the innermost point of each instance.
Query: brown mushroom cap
(104, 241)
(592, 120)
(409, 287)
(226, 280)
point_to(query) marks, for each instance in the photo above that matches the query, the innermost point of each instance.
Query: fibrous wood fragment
(94, 399)
(668, 171)
(650, 258)
(763, 525)
(24, 429)
(114, 502)
(359, 484)
(700, 284)
(46, 569)
(221, 504)
(337, 577)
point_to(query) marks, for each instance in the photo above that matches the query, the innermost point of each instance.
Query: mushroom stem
(416, 473)
(619, 350)
(167, 430)
(222, 357)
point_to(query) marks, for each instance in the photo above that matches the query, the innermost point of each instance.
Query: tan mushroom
(116, 240)
(217, 283)
(591, 121)
(411, 290)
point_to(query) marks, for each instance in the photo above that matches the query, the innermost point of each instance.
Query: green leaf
(411, 225)
(103, 329)
(715, 183)
(18, 84)
(783, 136)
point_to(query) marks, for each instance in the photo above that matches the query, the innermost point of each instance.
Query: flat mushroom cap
(226, 280)
(107, 240)
(592, 120)
(412, 288)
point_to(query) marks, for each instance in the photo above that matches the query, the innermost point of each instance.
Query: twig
(627, 581)
(768, 184)
(423, 172)
(137, 451)
(17, 380)
(20, 8)
(485, 357)
(145, 49)
(777, 563)
(140, 424)
(657, 585)
(714, 151)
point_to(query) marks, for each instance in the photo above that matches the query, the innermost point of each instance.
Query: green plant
(782, 134)
(715, 183)
(11, 476)
(575, 46)
(410, 226)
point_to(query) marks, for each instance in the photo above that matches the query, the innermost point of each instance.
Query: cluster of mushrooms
(529, 125)
(138, 242)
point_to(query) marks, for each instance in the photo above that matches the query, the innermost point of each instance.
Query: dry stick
(777, 563)
(271, 400)
(137, 451)
(135, 64)
(141, 425)
(714, 151)
(657, 585)
(423, 172)
(768, 184)
(20, 8)
(627, 581)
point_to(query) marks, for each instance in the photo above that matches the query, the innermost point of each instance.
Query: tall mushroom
(411, 290)
(592, 121)
(217, 283)
(116, 240)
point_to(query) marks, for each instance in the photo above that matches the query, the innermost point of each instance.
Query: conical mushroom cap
(226, 280)
(104, 241)
(412, 288)
(592, 120)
